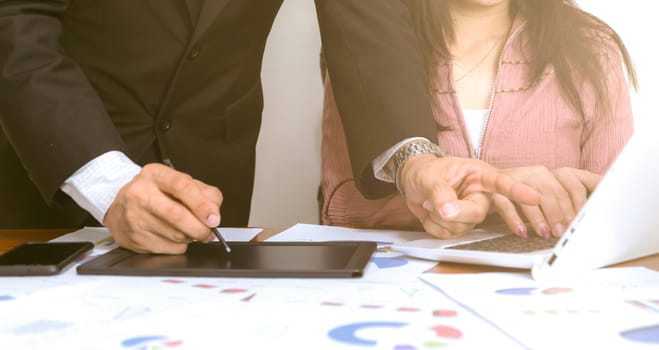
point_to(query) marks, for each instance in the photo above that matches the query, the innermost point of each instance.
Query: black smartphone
(41, 259)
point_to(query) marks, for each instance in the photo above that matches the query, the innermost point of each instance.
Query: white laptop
(619, 222)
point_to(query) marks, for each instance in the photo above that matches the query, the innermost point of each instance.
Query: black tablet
(247, 259)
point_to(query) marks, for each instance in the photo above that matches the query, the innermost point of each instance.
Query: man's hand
(161, 210)
(451, 195)
(564, 191)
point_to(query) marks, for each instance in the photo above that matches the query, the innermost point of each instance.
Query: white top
(475, 120)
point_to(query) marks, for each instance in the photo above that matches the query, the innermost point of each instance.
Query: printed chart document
(612, 308)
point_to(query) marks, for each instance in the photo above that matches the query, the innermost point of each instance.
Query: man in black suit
(96, 95)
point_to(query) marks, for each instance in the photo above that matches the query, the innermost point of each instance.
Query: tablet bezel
(106, 264)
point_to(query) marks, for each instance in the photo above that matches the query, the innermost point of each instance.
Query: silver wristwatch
(409, 150)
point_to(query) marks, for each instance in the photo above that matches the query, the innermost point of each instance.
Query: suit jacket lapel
(210, 9)
(194, 9)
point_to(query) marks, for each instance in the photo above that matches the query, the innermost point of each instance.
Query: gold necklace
(487, 54)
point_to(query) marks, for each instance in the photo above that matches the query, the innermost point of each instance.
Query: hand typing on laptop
(563, 192)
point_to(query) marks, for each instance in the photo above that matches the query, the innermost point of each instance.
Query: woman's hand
(563, 192)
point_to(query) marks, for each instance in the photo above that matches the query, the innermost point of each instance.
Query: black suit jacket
(153, 79)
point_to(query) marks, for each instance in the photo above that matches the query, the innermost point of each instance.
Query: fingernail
(521, 230)
(427, 206)
(559, 229)
(449, 210)
(544, 230)
(213, 220)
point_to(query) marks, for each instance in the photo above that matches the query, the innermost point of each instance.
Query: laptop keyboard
(509, 244)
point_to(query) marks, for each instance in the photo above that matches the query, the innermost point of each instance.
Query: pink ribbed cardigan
(530, 123)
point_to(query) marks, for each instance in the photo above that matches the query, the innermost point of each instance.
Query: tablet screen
(259, 259)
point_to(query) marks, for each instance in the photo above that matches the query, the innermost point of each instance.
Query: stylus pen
(215, 230)
(217, 234)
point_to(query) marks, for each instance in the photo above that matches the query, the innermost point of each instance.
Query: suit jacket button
(164, 124)
(194, 53)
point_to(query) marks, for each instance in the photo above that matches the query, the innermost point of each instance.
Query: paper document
(148, 313)
(611, 308)
(320, 233)
(103, 242)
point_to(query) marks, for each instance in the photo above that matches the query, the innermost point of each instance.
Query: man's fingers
(417, 210)
(436, 229)
(455, 227)
(471, 210)
(159, 211)
(176, 232)
(147, 242)
(180, 220)
(453, 215)
(441, 200)
(435, 225)
(212, 193)
(143, 241)
(184, 189)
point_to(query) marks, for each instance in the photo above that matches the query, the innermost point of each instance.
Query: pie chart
(348, 334)
(647, 335)
(387, 263)
(150, 342)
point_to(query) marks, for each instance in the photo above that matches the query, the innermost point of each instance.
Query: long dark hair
(561, 34)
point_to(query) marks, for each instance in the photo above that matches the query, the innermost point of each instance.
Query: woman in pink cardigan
(535, 87)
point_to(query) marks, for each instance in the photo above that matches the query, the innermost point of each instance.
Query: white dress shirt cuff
(96, 184)
(380, 170)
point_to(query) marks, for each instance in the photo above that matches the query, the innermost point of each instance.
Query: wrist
(411, 166)
(416, 150)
